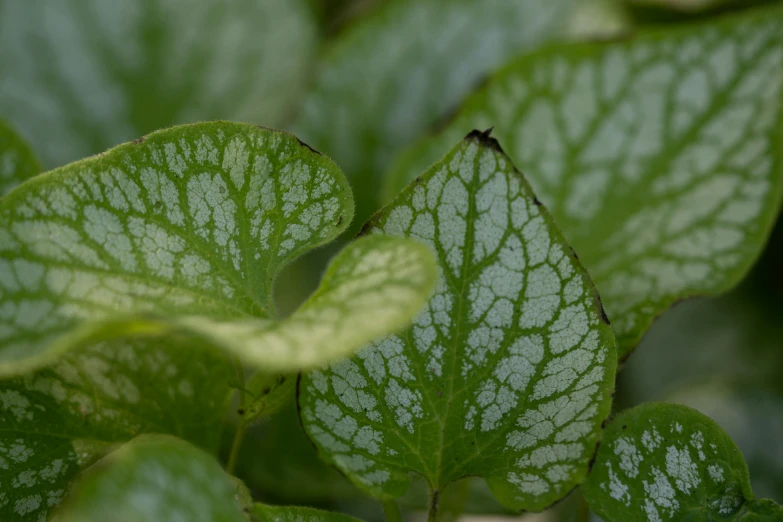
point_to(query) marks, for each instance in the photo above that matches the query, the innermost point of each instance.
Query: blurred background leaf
(80, 76)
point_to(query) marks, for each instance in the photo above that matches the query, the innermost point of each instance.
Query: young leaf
(665, 462)
(264, 513)
(388, 79)
(80, 76)
(154, 478)
(17, 161)
(185, 232)
(508, 372)
(659, 157)
(58, 420)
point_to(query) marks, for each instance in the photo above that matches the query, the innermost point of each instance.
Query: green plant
(460, 355)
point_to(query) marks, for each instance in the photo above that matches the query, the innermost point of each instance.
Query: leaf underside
(17, 161)
(80, 76)
(155, 479)
(391, 77)
(659, 157)
(508, 372)
(665, 462)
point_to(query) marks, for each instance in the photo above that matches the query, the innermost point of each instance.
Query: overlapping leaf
(82, 76)
(660, 157)
(388, 79)
(17, 161)
(59, 420)
(154, 479)
(664, 462)
(189, 228)
(508, 372)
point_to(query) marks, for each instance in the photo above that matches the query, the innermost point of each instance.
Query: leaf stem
(432, 515)
(392, 511)
(242, 425)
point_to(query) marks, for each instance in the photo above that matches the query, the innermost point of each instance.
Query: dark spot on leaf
(625, 426)
(536, 201)
(340, 220)
(440, 393)
(139, 140)
(241, 411)
(265, 391)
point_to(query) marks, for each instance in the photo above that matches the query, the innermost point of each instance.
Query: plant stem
(432, 515)
(392, 511)
(242, 425)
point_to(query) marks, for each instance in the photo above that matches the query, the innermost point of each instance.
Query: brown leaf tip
(485, 139)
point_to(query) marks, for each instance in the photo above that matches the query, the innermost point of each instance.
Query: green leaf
(185, 232)
(58, 420)
(392, 76)
(268, 394)
(154, 479)
(659, 157)
(80, 76)
(264, 513)
(506, 375)
(17, 161)
(663, 462)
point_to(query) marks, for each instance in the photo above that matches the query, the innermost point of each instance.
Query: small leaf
(17, 161)
(508, 372)
(666, 462)
(659, 157)
(264, 513)
(80, 76)
(185, 232)
(154, 478)
(392, 76)
(268, 394)
(59, 420)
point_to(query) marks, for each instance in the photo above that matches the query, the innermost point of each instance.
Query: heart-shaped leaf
(17, 161)
(154, 478)
(58, 420)
(665, 462)
(264, 513)
(184, 232)
(507, 374)
(659, 157)
(389, 78)
(80, 76)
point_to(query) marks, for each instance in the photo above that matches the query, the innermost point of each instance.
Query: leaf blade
(407, 403)
(154, 478)
(691, 464)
